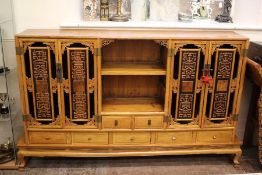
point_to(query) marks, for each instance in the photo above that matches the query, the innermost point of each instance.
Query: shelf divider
(135, 68)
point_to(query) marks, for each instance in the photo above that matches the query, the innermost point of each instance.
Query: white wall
(51, 13)
(45, 13)
(249, 12)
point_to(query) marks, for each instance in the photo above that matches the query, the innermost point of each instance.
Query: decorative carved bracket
(162, 43)
(54, 85)
(227, 122)
(181, 45)
(65, 85)
(107, 42)
(199, 86)
(215, 46)
(56, 121)
(33, 122)
(175, 86)
(64, 46)
(202, 46)
(51, 46)
(69, 123)
(29, 84)
(233, 85)
(26, 45)
(91, 85)
(89, 44)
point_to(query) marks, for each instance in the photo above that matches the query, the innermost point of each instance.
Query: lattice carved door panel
(41, 88)
(187, 90)
(79, 83)
(221, 94)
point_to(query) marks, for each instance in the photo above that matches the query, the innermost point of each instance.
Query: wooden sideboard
(106, 92)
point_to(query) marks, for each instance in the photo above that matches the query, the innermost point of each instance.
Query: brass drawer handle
(116, 122)
(89, 139)
(173, 138)
(132, 139)
(214, 137)
(149, 122)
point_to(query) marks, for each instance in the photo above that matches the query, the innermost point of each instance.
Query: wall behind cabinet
(51, 13)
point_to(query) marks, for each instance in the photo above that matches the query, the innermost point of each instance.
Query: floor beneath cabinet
(167, 165)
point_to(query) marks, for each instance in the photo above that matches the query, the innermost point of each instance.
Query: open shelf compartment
(134, 57)
(133, 94)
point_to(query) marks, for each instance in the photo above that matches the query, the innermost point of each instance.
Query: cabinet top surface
(131, 34)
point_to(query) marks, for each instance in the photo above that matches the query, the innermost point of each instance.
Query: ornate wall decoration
(40, 68)
(189, 60)
(223, 73)
(78, 59)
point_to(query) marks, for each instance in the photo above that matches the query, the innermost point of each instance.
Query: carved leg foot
(237, 158)
(21, 161)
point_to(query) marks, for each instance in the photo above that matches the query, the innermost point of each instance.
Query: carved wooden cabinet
(100, 93)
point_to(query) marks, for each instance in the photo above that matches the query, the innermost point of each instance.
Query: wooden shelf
(132, 105)
(133, 69)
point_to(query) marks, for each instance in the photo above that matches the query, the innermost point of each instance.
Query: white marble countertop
(196, 24)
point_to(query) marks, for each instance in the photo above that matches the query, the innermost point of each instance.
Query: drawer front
(144, 122)
(48, 138)
(214, 136)
(174, 137)
(119, 122)
(131, 138)
(90, 138)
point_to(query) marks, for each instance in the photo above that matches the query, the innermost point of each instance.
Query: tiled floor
(167, 165)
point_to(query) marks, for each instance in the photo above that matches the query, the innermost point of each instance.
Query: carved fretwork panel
(221, 90)
(40, 69)
(41, 86)
(222, 93)
(78, 59)
(78, 81)
(186, 90)
(188, 73)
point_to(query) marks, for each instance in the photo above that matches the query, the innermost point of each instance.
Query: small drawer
(148, 122)
(116, 122)
(214, 136)
(48, 138)
(174, 137)
(131, 138)
(90, 138)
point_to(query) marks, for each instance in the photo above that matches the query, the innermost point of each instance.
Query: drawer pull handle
(89, 139)
(116, 122)
(174, 138)
(149, 122)
(214, 137)
(47, 138)
(132, 139)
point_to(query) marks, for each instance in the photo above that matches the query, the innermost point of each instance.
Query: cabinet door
(222, 94)
(38, 66)
(187, 91)
(79, 82)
